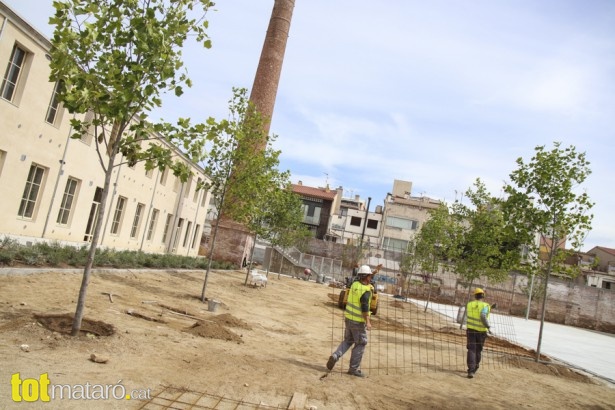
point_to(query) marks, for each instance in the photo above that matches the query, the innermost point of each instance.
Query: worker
(357, 322)
(477, 312)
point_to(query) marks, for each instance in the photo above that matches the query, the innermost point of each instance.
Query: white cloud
(437, 92)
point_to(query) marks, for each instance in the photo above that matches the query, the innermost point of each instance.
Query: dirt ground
(263, 347)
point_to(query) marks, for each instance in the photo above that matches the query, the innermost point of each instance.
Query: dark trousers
(475, 343)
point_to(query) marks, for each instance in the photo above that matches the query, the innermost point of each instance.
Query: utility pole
(369, 200)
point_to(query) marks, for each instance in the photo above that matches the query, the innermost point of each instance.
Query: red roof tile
(607, 250)
(320, 193)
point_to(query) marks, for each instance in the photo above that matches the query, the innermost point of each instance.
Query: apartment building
(51, 184)
(317, 206)
(403, 216)
(352, 222)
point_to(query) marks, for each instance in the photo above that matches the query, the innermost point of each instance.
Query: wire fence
(415, 335)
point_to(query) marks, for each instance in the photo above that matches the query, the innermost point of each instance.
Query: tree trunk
(249, 267)
(555, 240)
(85, 281)
(211, 254)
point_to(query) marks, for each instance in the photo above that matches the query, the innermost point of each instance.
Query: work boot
(470, 375)
(357, 373)
(331, 362)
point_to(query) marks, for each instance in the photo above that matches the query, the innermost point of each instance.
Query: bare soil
(262, 347)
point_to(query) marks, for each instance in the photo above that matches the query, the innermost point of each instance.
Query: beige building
(403, 216)
(51, 185)
(350, 222)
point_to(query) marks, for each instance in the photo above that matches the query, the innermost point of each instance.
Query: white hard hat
(364, 270)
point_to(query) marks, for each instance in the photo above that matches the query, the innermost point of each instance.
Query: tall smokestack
(267, 78)
(235, 239)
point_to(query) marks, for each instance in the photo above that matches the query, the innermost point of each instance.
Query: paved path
(590, 351)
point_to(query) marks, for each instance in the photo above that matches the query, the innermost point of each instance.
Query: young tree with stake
(238, 168)
(544, 197)
(115, 58)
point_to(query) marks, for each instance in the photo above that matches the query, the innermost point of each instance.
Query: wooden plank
(298, 401)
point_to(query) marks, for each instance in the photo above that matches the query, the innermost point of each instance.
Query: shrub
(54, 254)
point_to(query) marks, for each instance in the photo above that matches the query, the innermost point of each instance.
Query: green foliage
(115, 59)
(54, 255)
(436, 241)
(242, 166)
(481, 247)
(545, 198)
(243, 176)
(279, 218)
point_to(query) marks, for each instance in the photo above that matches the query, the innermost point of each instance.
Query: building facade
(352, 222)
(317, 206)
(51, 184)
(403, 216)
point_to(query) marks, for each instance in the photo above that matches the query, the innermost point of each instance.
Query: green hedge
(55, 255)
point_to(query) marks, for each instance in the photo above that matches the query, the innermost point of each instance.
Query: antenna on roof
(326, 179)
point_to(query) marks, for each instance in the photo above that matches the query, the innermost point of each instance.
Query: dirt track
(263, 346)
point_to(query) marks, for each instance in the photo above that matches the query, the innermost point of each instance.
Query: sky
(438, 93)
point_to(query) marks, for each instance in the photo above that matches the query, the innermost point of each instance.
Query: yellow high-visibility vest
(353, 306)
(473, 310)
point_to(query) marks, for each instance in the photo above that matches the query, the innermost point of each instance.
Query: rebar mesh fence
(416, 334)
(179, 398)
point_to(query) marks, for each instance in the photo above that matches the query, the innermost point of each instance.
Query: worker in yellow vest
(357, 322)
(477, 312)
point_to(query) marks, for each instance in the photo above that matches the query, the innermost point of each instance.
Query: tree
(544, 197)
(238, 168)
(430, 243)
(279, 218)
(436, 240)
(114, 59)
(482, 248)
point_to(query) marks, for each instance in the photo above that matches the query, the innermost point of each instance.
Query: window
(88, 133)
(93, 217)
(30, 192)
(355, 221)
(2, 158)
(187, 235)
(204, 197)
(199, 183)
(152, 225)
(13, 70)
(178, 232)
(372, 224)
(149, 173)
(136, 222)
(188, 187)
(67, 201)
(195, 242)
(54, 104)
(401, 223)
(163, 176)
(117, 216)
(167, 225)
(394, 244)
(311, 213)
